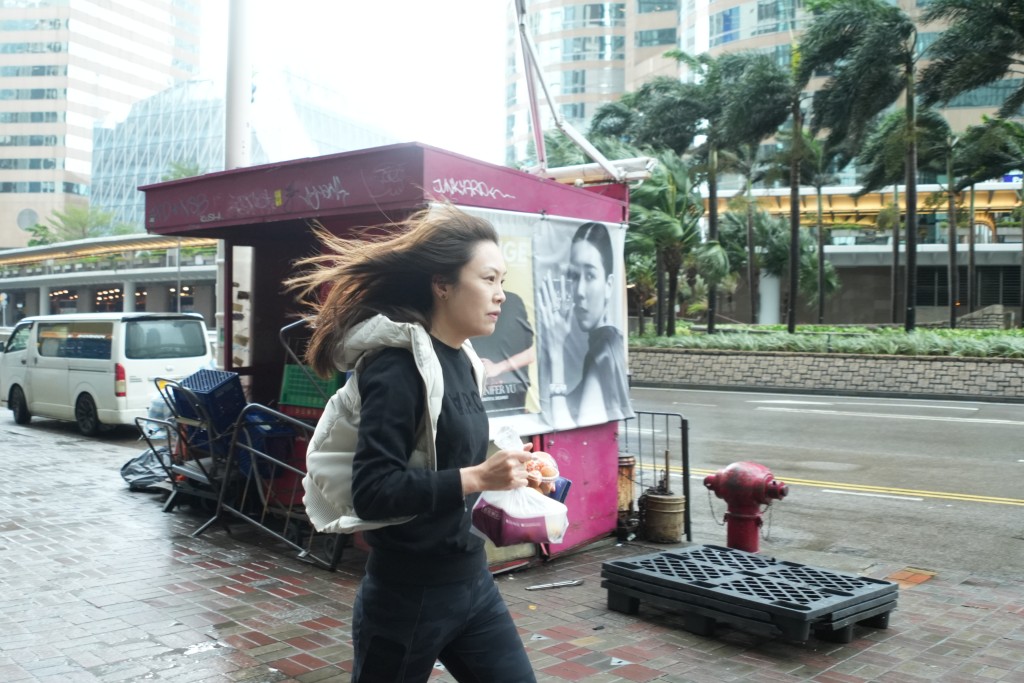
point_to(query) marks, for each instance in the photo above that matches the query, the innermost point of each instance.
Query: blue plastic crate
(270, 438)
(218, 392)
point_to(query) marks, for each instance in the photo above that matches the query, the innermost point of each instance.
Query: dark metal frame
(250, 496)
(658, 440)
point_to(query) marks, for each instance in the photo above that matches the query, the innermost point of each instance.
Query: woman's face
(470, 307)
(591, 286)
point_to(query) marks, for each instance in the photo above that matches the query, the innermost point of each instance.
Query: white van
(97, 368)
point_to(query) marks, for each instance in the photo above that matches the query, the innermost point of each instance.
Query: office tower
(65, 64)
(589, 53)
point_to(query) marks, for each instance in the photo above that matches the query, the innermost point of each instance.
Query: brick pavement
(97, 584)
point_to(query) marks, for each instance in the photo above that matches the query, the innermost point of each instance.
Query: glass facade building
(292, 117)
(64, 64)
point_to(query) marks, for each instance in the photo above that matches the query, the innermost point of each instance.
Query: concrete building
(64, 65)
(589, 53)
(117, 273)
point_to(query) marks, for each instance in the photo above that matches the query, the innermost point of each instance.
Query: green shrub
(853, 340)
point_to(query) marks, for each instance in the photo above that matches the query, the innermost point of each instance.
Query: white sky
(431, 72)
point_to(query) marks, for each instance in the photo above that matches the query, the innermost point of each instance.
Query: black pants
(400, 630)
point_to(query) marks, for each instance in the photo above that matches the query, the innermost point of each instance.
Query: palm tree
(753, 166)
(817, 168)
(869, 49)
(982, 44)
(989, 150)
(773, 234)
(939, 150)
(742, 98)
(666, 212)
(640, 275)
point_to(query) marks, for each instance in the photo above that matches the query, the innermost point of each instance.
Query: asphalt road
(937, 485)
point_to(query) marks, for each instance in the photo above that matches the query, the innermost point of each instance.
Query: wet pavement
(98, 584)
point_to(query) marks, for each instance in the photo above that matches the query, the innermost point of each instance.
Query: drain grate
(712, 584)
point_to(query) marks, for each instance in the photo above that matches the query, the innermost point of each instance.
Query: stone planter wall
(968, 378)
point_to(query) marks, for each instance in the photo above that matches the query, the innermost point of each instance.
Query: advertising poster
(558, 354)
(510, 354)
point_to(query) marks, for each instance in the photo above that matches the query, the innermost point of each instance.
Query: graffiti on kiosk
(250, 202)
(468, 187)
(315, 193)
(209, 217)
(188, 207)
(385, 181)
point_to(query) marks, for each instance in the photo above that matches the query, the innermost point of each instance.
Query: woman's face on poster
(591, 285)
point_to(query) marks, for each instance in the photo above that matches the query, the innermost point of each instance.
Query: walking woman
(398, 312)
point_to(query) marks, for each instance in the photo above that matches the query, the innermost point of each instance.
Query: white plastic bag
(522, 515)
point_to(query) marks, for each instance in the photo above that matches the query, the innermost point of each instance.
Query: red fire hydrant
(745, 486)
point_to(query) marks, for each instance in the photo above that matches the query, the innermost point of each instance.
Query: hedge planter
(989, 379)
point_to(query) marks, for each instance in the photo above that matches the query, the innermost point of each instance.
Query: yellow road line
(967, 497)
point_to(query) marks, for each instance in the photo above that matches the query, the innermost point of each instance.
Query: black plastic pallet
(712, 584)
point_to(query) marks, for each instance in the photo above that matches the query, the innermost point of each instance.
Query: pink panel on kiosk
(467, 181)
(320, 186)
(363, 184)
(589, 457)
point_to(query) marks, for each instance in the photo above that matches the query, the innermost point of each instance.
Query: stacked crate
(304, 394)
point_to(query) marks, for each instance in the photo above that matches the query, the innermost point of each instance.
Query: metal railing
(659, 442)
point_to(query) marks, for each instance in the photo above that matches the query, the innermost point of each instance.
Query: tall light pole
(237, 153)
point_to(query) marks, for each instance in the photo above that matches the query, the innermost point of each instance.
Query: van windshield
(174, 338)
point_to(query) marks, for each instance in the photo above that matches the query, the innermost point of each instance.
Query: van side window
(19, 339)
(76, 340)
(173, 338)
(51, 339)
(89, 340)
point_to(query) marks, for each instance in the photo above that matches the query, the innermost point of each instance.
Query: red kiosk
(269, 209)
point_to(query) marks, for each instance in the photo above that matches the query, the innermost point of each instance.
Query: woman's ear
(440, 287)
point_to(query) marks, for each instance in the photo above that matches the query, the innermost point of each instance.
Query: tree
(753, 166)
(182, 169)
(773, 235)
(817, 162)
(81, 222)
(982, 44)
(662, 115)
(617, 119)
(742, 98)
(868, 47)
(991, 149)
(641, 288)
(40, 235)
(666, 212)
(939, 149)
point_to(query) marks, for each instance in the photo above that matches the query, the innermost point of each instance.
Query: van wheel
(19, 407)
(85, 416)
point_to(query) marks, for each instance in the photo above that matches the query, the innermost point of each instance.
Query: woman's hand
(556, 321)
(503, 471)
